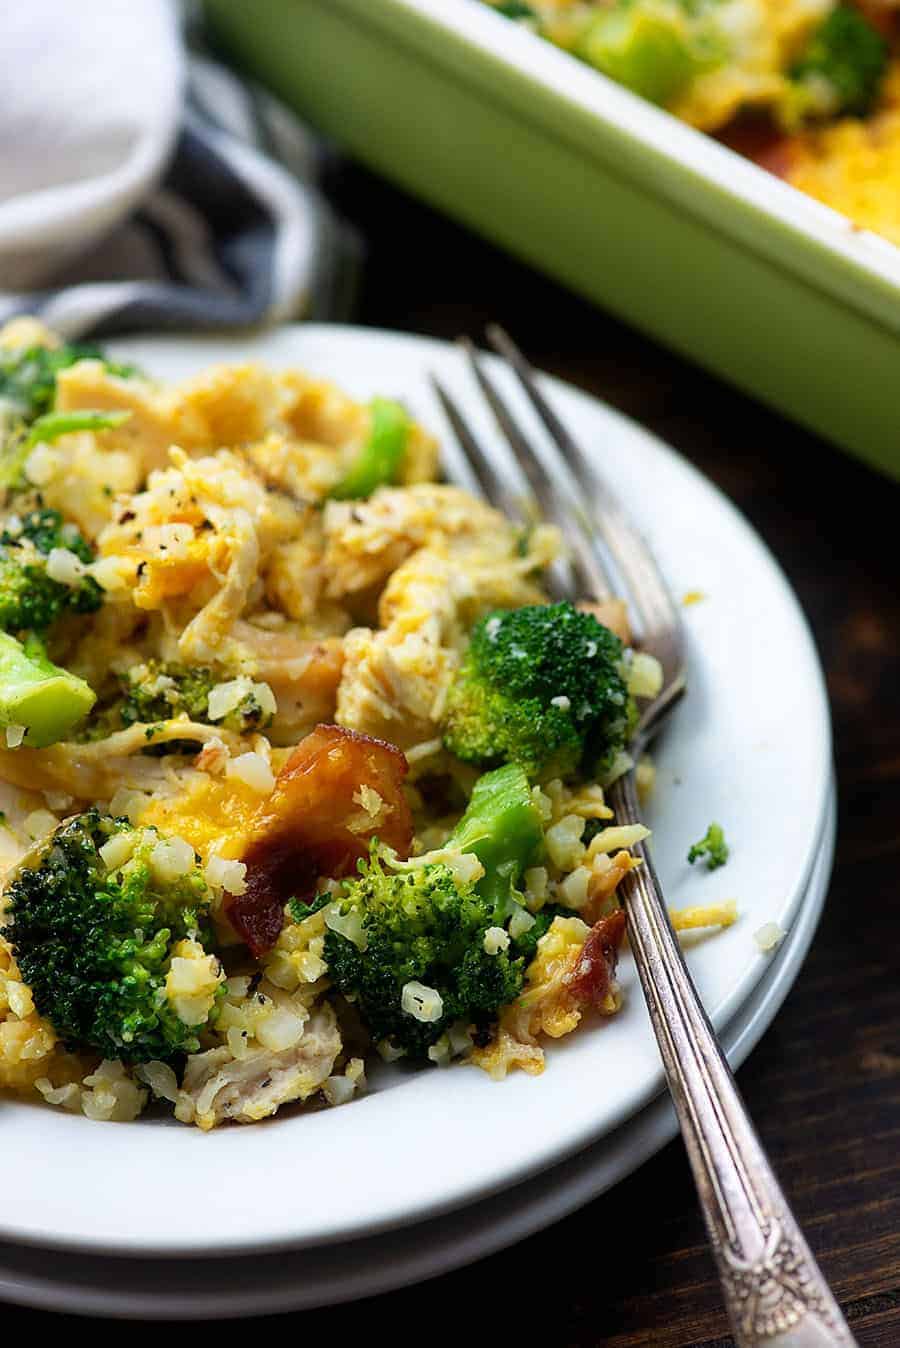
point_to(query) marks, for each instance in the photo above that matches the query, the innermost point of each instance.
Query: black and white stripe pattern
(235, 235)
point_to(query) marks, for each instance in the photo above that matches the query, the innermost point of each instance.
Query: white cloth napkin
(134, 192)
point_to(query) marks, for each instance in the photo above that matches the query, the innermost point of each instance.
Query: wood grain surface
(824, 1083)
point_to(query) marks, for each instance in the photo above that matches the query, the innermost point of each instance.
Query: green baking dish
(653, 220)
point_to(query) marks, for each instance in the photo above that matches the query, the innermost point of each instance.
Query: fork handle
(774, 1291)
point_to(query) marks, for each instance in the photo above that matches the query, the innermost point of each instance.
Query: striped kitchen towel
(145, 188)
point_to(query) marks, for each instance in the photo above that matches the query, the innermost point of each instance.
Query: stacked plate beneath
(412, 1158)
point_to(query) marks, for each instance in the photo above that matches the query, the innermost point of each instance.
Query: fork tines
(542, 498)
(608, 556)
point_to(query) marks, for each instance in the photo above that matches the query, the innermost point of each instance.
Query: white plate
(756, 719)
(263, 1284)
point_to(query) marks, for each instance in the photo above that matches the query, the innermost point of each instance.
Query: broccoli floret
(843, 66)
(28, 377)
(514, 9)
(15, 448)
(156, 691)
(712, 847)
(540, 686)
(94, 943)
(27, 394)
(408, 946)
(43, 700)
(380, 458)
(30, 600)
(300, 910)
(418, 927)
(37, 698)
(47, 530)
(653, 47)
(591, 828)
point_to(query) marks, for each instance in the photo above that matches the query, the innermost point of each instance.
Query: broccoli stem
(502, 826)
(379, 459)
(54, 424)
(649, 50)
(35, 693)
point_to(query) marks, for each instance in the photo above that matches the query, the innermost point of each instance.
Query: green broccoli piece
(541, 686)
(843, 66)
(156, 691)
(94, 943)
(409, 947)
(380, 458)
(653, 47)
(502, 827)
(514, 9)
(14, 450)
(28, 377)
(420, 930)
(47, 530)
(30, 599)
(527, 941)
(36, 696)
(22, 438)
(712, 846)
(300, 910)
(52, 425)
(27, 393)
(591, 828)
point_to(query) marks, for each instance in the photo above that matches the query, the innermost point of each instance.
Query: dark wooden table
(824, 1083)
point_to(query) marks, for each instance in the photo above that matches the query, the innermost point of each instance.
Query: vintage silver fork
(774, 1291)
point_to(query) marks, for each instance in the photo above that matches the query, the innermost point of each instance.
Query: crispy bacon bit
(881, 14)
(311, 826)
(591, 979)
(762, 142)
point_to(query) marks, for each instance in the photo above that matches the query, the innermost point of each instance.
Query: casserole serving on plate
(753, 665)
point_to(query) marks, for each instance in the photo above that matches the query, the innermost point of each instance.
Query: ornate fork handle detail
(775, 1293)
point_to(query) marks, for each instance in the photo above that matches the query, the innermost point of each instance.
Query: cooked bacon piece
(881, 14)
(762, 142)
(591, 979)
(335, 793)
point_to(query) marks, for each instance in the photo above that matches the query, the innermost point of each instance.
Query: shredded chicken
(395, 680)
(94, 771)
(303, 674)
(218, 1086)
(366, 541)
